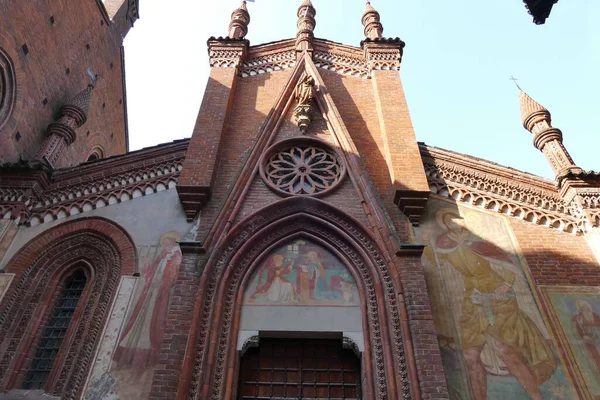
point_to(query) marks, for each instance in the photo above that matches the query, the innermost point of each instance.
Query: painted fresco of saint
(140, 341)
(587, 326)
(273, 282)
(496, 335)
(302, 273)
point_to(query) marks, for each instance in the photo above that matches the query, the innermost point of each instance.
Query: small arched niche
(8, 87)
(301, 287)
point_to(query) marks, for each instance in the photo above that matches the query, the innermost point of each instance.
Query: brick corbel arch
(106, 252)
(213, 371)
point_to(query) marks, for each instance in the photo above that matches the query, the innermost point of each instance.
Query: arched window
(55, 331)
(52, 315)
(96, 153)
(8, 90)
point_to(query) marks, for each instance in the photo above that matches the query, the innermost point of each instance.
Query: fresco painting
(493, 339)
(299, 274)
(575, 313)
(138, 346)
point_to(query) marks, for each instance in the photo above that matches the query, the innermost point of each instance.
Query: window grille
(55, 331)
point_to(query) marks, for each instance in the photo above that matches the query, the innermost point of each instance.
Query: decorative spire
(240, 18)
(306, 25)
(532, 112)
(61, 133)
(78, 107)
(537, 120)
(371, 22)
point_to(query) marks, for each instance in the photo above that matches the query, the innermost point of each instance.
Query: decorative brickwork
(302, 167)
(94, 185)
(495, 188)
(298, 217)
(54, 56)
(106, 252)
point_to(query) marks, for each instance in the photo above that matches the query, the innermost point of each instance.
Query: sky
(456, 68)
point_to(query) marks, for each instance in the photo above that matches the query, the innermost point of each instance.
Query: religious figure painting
(301, 273)
(137, 348)
(493, 339)
(575, 313)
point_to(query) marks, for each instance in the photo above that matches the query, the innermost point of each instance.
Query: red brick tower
(46, 61)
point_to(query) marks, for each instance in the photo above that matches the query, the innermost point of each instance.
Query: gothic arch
(8, 87)
(233, 262)
(105, 252)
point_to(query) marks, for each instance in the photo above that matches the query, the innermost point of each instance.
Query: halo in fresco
(301, 273)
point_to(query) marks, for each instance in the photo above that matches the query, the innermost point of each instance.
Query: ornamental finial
(240, 18)
(532, 112)
(306, 26)
(371, 22)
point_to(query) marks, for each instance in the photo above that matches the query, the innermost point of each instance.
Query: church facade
(301, 244)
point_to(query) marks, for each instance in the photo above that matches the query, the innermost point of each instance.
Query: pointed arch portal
(356, 278)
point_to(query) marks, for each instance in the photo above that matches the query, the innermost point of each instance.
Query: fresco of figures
(128, 374)
(575, 312)
(494, 342)
(301, 273)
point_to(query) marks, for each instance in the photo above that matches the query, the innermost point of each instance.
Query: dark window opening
(55, 331)
(299, 369)
(93, 157)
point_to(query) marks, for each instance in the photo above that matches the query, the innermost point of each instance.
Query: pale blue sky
(458, 59)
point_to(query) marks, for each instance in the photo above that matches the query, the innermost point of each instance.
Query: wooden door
(308, 369)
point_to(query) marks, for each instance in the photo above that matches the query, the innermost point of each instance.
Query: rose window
(302, 169)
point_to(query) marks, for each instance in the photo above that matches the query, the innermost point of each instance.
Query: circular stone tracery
(301, 167)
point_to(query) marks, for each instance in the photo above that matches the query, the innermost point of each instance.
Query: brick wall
(554, 257)
(62, 39)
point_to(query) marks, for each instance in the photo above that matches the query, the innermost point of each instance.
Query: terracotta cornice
(123, 162)
(484, 184)
(341, 58)
(544, 185)
(34, 196)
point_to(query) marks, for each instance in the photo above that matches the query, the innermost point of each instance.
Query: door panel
(307, 369)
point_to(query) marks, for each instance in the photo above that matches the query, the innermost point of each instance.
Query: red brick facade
(219, 203)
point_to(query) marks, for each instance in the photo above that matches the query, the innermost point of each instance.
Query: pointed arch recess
(106, 252)
(8, 87)
(231, 264)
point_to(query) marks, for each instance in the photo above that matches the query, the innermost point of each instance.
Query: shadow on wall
(495, 341)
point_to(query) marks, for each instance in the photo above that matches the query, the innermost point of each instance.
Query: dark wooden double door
(307, 369)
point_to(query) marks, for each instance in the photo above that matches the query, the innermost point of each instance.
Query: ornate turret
(61, 133)
(240, 18)
(537, 120)
(371, 22)
(306, 26)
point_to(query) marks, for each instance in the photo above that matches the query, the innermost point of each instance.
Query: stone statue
(305, 90)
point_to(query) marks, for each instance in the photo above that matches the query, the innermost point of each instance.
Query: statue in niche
(304, 92)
